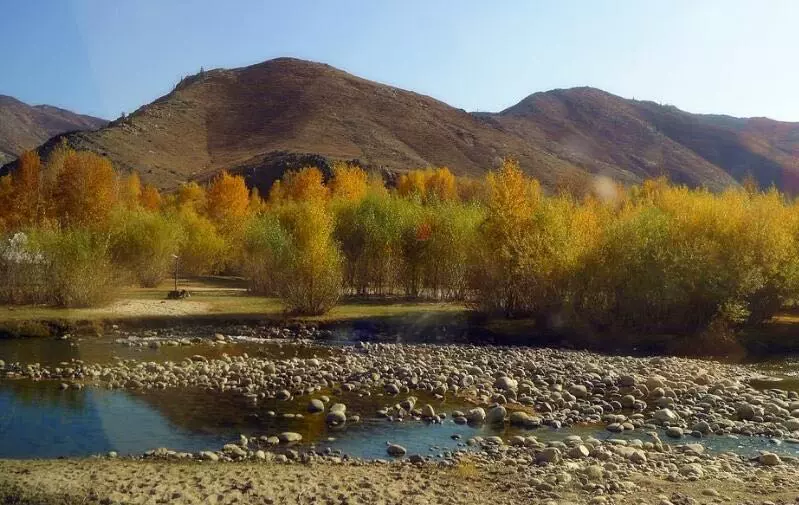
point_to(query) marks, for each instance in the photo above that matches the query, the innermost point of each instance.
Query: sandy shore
(123, 481)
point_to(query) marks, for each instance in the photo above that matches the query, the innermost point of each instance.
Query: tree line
(590, 256)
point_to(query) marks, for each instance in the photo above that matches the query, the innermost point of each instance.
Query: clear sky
(103, 57)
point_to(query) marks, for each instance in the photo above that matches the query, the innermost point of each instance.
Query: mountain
(24, 126)
(285, 113)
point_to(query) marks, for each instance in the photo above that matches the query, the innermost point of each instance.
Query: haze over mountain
(285, 113)
(24, 126)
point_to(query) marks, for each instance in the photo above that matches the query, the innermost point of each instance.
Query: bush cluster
(594, 256)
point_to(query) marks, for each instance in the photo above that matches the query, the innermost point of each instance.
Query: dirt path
(155, 308)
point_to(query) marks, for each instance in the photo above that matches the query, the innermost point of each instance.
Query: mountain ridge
(275, 115)
(24, 126)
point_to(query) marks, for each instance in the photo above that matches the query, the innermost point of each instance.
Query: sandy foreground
(128, 481)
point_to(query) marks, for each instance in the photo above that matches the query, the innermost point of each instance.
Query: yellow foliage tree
(227, 200)
(350, 182)
(130, 191)
(191, 196)
(439, 185)
(412, 184)
(306, 184)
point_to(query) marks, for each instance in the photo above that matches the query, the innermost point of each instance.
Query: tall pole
(176, 273)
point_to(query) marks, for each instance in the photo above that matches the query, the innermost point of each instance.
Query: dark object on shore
(178, 294)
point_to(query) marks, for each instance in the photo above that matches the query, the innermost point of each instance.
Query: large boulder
(316, 405)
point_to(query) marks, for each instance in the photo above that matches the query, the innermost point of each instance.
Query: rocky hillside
(24, 126)
(263, 119)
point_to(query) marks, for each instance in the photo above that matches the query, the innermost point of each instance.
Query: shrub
(143, 244)
(78, 267)
(22, 279)
(202, 248)
(267, 255)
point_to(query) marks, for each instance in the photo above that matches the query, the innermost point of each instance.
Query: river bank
(467, 482)
(289, 416)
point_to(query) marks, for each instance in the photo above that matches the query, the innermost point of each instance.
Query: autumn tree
(312, 282)
(512, 201)
(227, 200)
(27, 195)
(439, 185)
(349, 182)
(191, 196)
(307, 184)
(87, 190)
(412, 184)
(150, 198)
(202, 248)
(7, 218)
(130, 191)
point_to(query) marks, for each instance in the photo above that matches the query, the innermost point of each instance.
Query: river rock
(674, 432)
(702, 427)
(496, 415)
(335, 417)
(289, 437)
(521, 418)
(579, 391)
(578, 452)
(665, 416)
(505, 383)
(476, 415)
(548, 455)
(769, 459)
(234, 450)
(396, 450)
(428, 411)
(208, 456)
(745, 412)
(316, 405)
(692, 470)
(792, 424)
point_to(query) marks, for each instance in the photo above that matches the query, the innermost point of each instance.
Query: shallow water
(39, 420)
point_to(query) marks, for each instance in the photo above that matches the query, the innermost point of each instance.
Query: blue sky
(104, 57)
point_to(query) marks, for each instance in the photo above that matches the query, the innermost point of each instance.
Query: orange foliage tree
(227, 200)
(86, 190)
(150, 198)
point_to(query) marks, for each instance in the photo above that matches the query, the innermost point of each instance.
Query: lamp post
(177, 261)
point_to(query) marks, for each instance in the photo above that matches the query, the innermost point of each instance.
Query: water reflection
(52, 352)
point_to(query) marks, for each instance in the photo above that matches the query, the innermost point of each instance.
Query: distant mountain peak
(24, 126)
